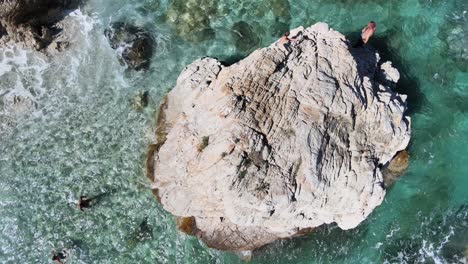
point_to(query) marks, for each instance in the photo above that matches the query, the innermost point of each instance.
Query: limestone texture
(278, 143)
(35, 23)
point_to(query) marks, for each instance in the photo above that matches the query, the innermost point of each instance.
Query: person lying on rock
(84, 202)
(366, 33)
(285, 40)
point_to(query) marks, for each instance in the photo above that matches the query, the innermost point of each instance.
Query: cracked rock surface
(278, 143)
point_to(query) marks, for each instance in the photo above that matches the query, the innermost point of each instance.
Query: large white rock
(279, 142)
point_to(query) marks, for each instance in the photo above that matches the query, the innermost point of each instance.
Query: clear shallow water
(84, 138)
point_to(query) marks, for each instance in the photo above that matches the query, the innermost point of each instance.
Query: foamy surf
(33, 83)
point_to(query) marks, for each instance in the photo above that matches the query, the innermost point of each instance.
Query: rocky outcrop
(278, 143)
(135, 45)
(33, 22)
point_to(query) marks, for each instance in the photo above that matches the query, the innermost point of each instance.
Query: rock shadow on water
(232, 59)
(407, 84)
(278, 28)
(245, 36)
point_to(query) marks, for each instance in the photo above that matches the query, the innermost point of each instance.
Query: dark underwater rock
(134, 44)
(457, 41)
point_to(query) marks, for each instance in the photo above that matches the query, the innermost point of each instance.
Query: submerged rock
(134, 44)
(290, 141)
(457, 41)
(140, 100)
(191, 18)
(280, 9)
(455, 35)
(33, 22)
(396, 167)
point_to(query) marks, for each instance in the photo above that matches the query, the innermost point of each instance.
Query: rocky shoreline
(38, 25)
(279, 143)
(35, 24)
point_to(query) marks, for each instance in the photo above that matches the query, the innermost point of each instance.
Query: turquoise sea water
(84, 138)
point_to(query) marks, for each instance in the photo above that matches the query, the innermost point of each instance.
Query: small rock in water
(134, 44)
(186, 225)
(140, 100)
(396, 167)
(145, 231)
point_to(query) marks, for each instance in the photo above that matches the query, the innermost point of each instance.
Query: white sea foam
(30, 81)
(396, 229)
(433, 251)
(21, 83)
(459, 15)
(22, 62)
(428, 251)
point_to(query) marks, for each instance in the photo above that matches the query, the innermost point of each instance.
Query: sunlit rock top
(278, 143)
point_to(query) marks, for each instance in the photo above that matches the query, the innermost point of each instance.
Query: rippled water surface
(81, 135)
